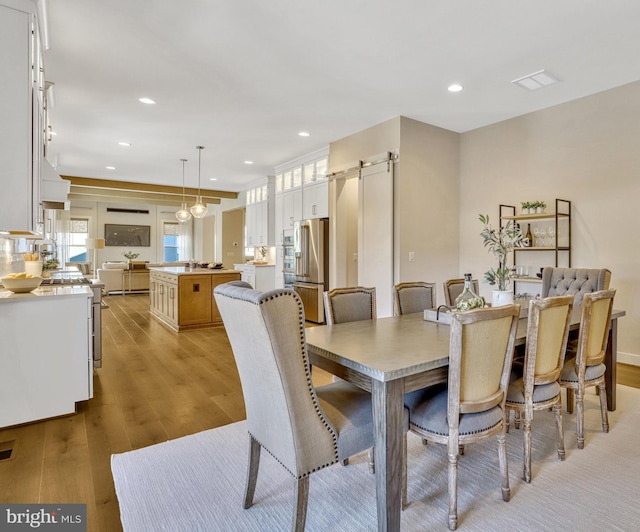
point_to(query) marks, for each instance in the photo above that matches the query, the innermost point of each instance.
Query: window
(170, 236)
(78, 234)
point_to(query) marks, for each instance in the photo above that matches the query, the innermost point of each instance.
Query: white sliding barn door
(375, 234)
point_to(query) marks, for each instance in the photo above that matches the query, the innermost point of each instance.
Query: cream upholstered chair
(471, 406)
(574, 281)
(538, 388)
(414, 297)
(587, 368)
(454, 287)
(304, 428)
(356, 303)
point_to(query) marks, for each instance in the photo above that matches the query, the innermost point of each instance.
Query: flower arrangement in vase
(500, 242)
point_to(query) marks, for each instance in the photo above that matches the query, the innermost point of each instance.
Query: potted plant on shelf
(130, 256)
(526, 206)
(539, 206)
(500, 242)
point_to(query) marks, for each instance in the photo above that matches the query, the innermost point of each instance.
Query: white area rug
(196, 483)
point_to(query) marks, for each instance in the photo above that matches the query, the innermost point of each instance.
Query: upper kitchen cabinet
(315, 193)
(260, 214)
(21, 115)
(301, 191)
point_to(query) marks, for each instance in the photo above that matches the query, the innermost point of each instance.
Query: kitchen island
(182, 297)
(46, 358)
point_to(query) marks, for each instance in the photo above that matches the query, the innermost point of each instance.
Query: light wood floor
(154, 385)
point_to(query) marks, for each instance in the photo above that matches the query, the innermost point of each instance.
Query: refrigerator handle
(304, 246)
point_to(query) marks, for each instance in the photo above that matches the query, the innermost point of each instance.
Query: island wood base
(182, 299)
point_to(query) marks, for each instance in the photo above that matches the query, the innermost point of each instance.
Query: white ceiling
(243, 77)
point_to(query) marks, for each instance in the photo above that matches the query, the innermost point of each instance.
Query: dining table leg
(611, 362)
(388, 412)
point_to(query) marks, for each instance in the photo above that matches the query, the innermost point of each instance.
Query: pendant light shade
(183, 215)
(199, 210)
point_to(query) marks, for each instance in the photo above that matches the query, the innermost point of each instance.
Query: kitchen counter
(46, 360)
(49, 292)
(182, 298)
(183, 270)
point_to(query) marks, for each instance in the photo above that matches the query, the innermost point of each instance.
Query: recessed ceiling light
(146, 100)
(248, 162)
(455, 87)
(213, 179)
(304, 134)
(110, 167)
(534, 81)
(124, 143)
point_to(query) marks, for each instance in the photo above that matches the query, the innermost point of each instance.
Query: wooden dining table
(392, 356)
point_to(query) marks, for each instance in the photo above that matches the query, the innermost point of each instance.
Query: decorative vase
(33, 267)
(501, 298)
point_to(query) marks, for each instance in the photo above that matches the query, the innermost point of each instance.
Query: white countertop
(183, 270)
(7, 296)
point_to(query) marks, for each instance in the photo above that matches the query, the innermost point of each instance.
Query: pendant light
(183, 215)
(199, 210)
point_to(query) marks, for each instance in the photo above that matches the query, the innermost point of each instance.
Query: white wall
(586, 151)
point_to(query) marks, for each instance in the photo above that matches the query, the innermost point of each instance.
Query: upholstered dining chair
(355, 303)
(414, 297)
(587, 368)
(538, 388)
(471, 406)
(454, 287)
(342, 305)
(304, 428)
(574, 281)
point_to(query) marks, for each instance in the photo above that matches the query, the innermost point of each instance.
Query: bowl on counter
(21, 285)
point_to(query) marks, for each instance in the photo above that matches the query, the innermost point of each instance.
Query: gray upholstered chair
(454, 287)
(471, 406)
(587, 367)
(304, 428)
(574, 281)
(355, 303)
(414, 297)
(538, 388)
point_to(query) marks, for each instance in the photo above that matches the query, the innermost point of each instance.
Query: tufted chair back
(266, 332)
(574, 281)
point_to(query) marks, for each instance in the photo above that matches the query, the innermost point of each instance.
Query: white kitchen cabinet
(46, 358)
(315, 200)
(259, 276)
(290, 204)
(260, 213)
(21, 113)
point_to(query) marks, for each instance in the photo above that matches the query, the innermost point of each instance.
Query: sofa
(112, 274)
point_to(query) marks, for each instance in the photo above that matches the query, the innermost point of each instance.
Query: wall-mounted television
(127, 235)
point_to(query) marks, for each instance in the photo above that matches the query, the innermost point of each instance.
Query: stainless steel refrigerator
(311, 252)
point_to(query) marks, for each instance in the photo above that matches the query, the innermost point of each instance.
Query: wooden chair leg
(526, 430)
(580, 418)
(504, 467)
(345, 462)
(252, 472)
(453, 487)
(603, 408)
(516, 419)
(372, 462)
(301, 497)
(557, 410)
(570, 400)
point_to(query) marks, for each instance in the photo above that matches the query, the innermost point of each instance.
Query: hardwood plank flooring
(154, 385)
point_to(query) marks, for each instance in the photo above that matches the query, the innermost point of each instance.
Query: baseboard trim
(629, 358)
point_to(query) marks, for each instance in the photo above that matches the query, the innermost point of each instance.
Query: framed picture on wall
(127, 235)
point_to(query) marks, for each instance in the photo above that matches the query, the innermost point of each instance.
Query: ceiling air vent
(128, 211)
(535, 81)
